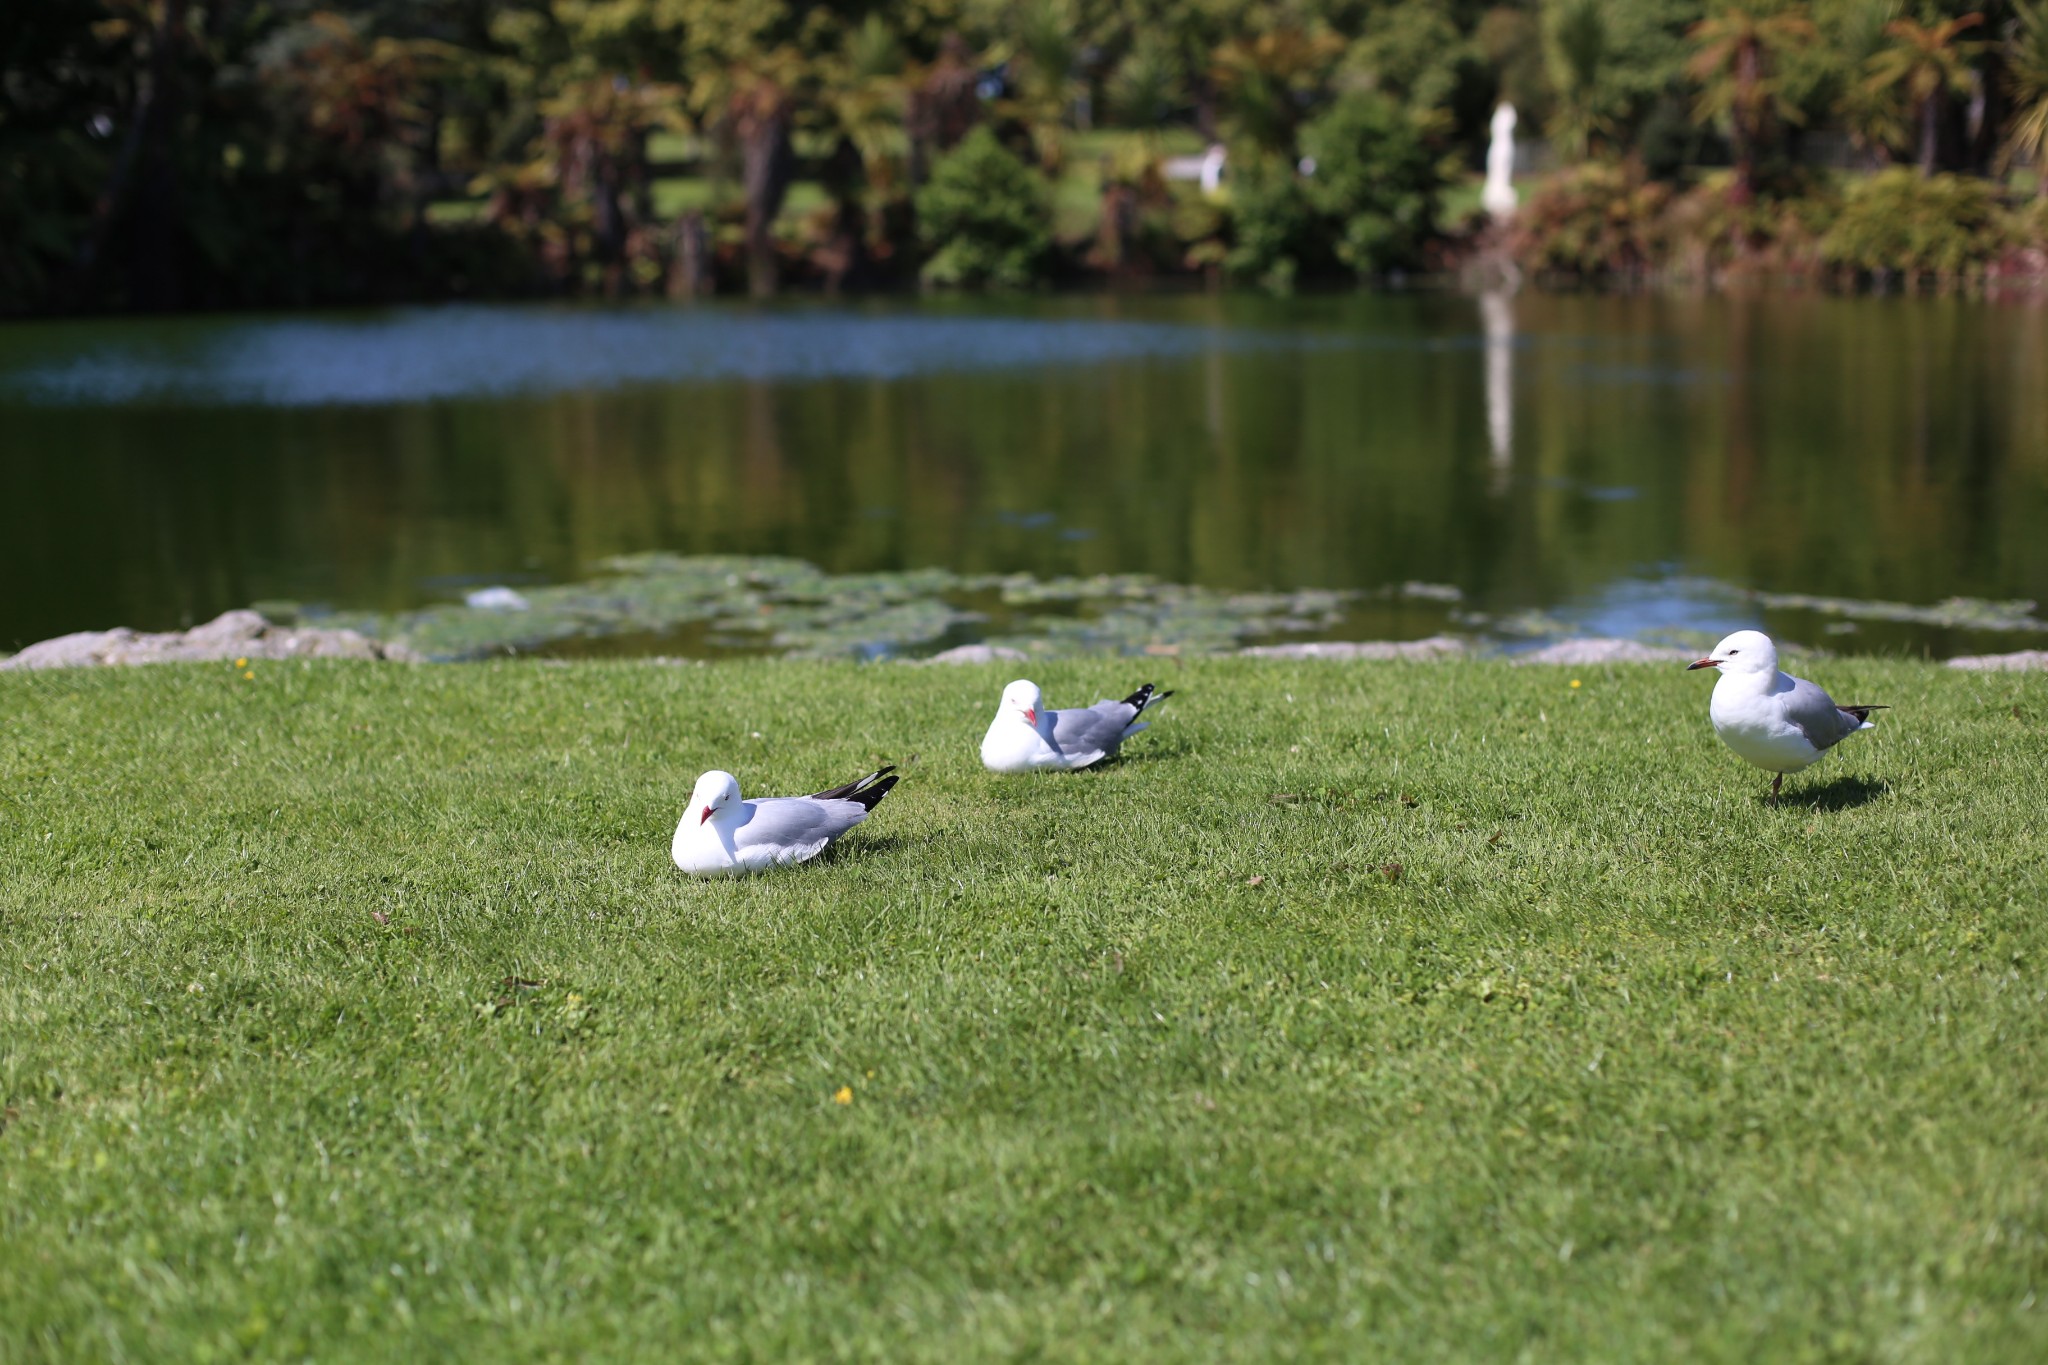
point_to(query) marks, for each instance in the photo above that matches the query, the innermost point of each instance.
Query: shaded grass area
(1076, 192)
(1364, 1011)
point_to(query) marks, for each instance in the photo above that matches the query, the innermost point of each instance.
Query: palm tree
(1732, 61)
(863, 95)
(1578, 50)
(761, 114)
(1043, 69)
(2026, 69)
(1926, 62)
(1873, 116)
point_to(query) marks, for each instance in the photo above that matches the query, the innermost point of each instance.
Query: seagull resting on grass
(1774, 720)
(723, 836)
(1025, 737)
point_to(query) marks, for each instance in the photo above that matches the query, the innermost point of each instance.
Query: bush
(1368, 204)
(1599, 219)
(1276, 233)
(1374, 182)
(1707, 237)
(984, 217)
(1943, 225)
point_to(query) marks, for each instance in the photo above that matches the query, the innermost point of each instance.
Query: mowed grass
(1363, 1012)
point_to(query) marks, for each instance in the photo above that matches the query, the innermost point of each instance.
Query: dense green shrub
(1276, 234)
(1363, 199)
(1374, 182)
(1706, 234)
(1596, 220)
(1941, 225)
(984, 217)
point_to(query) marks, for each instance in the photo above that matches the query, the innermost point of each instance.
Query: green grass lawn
(1363, 1012)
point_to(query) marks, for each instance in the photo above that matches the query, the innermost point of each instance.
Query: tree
(1578, 51)
(1374, 180)
(1735, 52)
(760, 114)
(1267, 81)
(2026, 70)
(1046, 53)
(984, 216)
(1873, 115)
(1926, 62)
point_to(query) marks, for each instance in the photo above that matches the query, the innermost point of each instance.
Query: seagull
(1774, 720)
(1025, 737)
(723, 836)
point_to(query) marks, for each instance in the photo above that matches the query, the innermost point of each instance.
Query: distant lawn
(1371, 1012)
(1076, 193)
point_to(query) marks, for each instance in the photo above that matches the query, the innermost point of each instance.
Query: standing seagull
(1772, 719)
(723, 836)
(1025, 737)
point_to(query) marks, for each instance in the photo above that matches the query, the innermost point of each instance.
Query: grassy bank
(1417, 1012)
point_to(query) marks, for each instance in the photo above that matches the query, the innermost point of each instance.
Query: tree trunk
(1930, 134)
(767, 163)
(689, 276)
(1742, 131)
(152, 258)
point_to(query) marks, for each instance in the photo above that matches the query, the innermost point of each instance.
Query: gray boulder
(977, 654)
(1435, 647)
(1604, 651)
(231, 635)
(2025, 658)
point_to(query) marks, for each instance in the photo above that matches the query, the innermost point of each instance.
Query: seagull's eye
(1734, 651)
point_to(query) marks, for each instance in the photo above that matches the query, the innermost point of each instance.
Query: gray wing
(1814, 714)
(795, 822)
(1101, 726)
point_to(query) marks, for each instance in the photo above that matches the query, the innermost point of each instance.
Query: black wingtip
(1145, 697)
(868, 791)
(1863, 712)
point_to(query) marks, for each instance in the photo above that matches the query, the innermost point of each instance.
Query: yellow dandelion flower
(241, 663)
(1575, 682)
(843, 1095)
(250, 674)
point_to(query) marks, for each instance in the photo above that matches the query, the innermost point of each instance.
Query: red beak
(705, 816)
(1031, 717)
(1703, 663)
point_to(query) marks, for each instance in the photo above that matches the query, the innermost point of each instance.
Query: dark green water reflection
(1577, 456)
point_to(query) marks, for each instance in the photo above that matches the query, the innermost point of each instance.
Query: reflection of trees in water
(1738, 484)
(1863, 447)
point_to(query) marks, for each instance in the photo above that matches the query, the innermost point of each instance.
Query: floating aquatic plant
(794, 608)
(1958, 613)
(771, 604)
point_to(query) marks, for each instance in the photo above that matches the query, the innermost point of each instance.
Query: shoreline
(1472, 275)
(243, 636)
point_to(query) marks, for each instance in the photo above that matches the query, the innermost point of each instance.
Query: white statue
(1498, 198)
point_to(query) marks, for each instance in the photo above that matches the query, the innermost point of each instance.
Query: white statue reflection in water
(1497, 323)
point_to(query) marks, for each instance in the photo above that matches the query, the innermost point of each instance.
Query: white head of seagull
(1746, 651)
(1023, 698)
(716, 791)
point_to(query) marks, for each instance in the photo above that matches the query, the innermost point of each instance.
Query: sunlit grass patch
(1361, 1011)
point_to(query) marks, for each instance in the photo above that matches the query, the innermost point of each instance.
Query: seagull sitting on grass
(723, 836)
(1025, 737)
(1774, 720)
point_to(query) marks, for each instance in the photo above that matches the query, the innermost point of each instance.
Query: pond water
(1615, 464)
